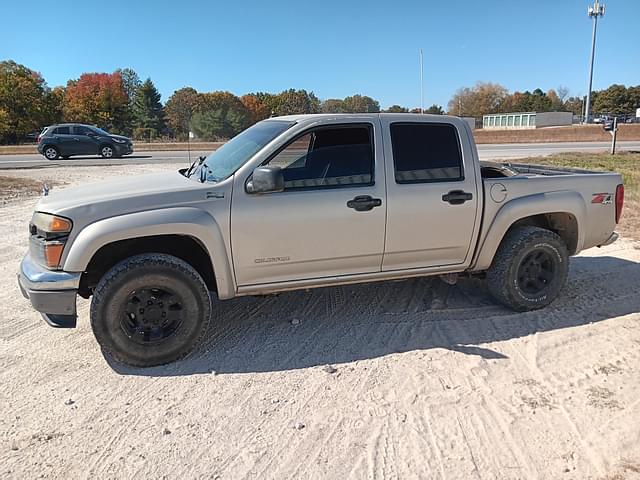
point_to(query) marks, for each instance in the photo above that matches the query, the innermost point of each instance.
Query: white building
(522, 120)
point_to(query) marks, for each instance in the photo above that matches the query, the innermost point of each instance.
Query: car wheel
(107, 151)
(150, 310)
(529, 269)
(50, 152)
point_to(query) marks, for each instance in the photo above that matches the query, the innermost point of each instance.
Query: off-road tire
(504, 277)
(112, 301)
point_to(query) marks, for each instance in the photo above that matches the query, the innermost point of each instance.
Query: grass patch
(626, 163)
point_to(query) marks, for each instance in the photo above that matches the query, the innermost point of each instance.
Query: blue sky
(334, 48)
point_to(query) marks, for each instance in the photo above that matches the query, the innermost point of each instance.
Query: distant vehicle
(306, 201)
(33, 136)
(68, 139)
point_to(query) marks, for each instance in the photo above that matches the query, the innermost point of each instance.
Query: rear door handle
(457, 197)
(362, 203)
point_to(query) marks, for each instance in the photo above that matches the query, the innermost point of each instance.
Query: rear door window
(62, 131)
(426, 152)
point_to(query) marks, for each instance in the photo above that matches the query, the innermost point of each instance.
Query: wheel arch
(185, 232)
(561, 212)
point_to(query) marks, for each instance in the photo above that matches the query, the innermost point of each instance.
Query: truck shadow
(337, 325)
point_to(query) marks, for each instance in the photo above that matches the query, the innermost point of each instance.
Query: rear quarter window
(62, 131)
(426, 152)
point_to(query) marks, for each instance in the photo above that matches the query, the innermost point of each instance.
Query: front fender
(553, 202)
(188, 221)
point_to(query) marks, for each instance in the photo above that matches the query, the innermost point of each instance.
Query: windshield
(232, 155)
(99, 131)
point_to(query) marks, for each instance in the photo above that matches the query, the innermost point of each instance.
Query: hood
(119, 196)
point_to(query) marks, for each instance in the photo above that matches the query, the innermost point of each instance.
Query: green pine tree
(147, 109)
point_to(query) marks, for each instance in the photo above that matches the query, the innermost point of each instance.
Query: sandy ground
(472, 390)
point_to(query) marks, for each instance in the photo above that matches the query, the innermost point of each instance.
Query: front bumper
(52, 293)
(123, 148)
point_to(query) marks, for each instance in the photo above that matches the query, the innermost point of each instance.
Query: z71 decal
(603, 198)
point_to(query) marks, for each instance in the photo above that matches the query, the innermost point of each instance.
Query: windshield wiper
(193, 166)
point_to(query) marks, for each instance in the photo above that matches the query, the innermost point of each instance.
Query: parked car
(68, 139)
(307, 201)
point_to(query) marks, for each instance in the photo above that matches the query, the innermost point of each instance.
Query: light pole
(595, 11)
(421, 82)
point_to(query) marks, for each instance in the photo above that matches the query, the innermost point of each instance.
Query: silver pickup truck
(307, 201)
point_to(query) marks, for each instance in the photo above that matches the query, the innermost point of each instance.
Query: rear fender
(523, 207)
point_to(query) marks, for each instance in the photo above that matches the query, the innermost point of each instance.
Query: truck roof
(399, 116)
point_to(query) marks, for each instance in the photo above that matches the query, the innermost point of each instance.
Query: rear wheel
(150, 310)
(529, 269)
(107, 151)
(50, 152)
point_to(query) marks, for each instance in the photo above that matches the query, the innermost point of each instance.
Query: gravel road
(396, 380)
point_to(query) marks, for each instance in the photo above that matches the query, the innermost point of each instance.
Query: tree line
(484, 98)
(121, 102)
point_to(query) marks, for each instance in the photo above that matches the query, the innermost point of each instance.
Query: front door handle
(362, 203)
(457, 197)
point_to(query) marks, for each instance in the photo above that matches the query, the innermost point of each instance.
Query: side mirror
(266, 180)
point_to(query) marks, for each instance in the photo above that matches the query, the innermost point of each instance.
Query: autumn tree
(573, 104)
(179, 109)
(397, 109)
(219, 116)
(293, 102)
(360, 104)
(332, 105)
(435, 110)
(26, 102)
(616, 100)
(147, 110)
(478, 100)
(97, 99)
(256, 108)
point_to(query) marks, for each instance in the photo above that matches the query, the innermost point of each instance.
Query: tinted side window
(426, 152)
(328, 157)
(62, 131)
(82, 130)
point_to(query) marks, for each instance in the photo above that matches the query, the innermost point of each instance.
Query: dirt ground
(471, 390)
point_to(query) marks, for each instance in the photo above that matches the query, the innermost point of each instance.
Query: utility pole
(421, 82)
(595, 11)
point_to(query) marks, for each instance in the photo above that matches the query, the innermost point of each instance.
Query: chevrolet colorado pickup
(306, 201)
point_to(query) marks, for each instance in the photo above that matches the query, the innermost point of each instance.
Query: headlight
(49, 235)
(47, 223)
(119, 140)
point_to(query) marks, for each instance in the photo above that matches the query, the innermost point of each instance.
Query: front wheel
(529, 269)
(107, 151)
(150, 310)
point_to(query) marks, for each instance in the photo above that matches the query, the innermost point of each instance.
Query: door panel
(86, 145)
(64, 140)
(432, 196)
(308, 230)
